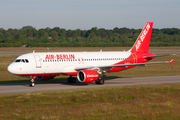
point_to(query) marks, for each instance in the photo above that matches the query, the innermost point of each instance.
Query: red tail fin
(143, 41)
(171, 62)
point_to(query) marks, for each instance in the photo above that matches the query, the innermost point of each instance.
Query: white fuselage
(56, 63)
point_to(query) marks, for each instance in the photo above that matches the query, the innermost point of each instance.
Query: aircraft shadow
(46, 82)
(56, 81)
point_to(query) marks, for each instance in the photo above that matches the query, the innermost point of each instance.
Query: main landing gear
(32, 82)
(71, 79)
(100, 81)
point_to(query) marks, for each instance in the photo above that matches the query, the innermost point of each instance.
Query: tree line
(29, 36)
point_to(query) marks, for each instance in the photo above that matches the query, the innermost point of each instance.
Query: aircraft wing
(107, 67)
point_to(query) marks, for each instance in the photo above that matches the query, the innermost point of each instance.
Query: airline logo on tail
(142, 36)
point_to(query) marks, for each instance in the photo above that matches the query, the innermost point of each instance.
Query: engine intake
(87, 76)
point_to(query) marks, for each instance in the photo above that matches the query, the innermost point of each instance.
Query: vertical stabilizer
(143, 41)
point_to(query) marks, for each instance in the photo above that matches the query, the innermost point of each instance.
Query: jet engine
(87, 76)
(44, 77)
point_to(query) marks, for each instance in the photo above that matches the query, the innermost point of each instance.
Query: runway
(63, 85)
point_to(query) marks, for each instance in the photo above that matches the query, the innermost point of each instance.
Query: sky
(85, 14)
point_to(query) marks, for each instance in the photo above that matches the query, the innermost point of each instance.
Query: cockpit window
(26, 60)
(22, 60)
(18, 60)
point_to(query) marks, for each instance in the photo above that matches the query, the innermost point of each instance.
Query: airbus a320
(87, 66)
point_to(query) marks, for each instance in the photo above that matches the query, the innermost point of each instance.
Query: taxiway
(63, 85)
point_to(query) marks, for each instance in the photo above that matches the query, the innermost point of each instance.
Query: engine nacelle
(87, 76)
(44, 77)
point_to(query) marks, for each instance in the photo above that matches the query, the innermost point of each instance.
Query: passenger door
(38, 61)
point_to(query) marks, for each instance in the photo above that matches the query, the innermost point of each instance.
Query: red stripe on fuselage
(40, 74)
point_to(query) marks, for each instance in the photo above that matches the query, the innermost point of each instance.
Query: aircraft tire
(97, 81)
(101, 81)
(31, 84)
(73, 80)
(69, 80)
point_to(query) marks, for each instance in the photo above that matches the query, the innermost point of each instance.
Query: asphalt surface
(159, 52)
(63, 85)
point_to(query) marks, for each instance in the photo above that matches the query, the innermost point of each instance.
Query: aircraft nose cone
(11, 69)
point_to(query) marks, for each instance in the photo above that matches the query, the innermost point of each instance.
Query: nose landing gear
(32, 82)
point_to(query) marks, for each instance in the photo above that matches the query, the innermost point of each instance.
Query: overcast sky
(85, 14)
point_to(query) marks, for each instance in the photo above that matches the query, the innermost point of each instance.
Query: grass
(133, 102)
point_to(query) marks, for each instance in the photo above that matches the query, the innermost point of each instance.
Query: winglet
(171, 62)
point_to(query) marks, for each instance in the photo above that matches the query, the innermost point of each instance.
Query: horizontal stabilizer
(156, 56)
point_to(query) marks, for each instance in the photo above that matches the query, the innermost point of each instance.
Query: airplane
(87, 66)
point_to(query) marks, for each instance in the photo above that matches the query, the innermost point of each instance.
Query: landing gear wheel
(100, 81)
(71, 79)
(97, 81)
(31, 84)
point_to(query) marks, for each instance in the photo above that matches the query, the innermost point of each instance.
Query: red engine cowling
(44, 77)
(87, 76)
